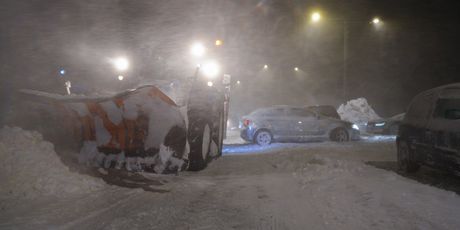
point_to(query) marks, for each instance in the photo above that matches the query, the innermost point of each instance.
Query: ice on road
(290, 186)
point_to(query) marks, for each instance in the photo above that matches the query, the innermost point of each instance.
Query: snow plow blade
(138, 130)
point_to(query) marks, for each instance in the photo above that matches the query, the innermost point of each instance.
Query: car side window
(271, 112)
(298, 112)
(447, 108)
(276, 112)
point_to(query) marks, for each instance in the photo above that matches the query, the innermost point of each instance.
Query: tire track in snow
(97, 213)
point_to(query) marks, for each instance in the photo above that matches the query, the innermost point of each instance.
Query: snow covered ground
(287, 186)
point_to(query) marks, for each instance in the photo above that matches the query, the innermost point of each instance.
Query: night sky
(415, 49)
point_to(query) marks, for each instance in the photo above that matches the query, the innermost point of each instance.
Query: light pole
(345, 59)
(315, 17)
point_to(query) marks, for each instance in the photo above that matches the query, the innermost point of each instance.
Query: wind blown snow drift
(30, 168)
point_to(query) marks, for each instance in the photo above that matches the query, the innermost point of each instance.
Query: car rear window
(448, 108)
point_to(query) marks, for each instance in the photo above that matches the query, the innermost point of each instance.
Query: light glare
(265, 66)
(121, 63)
(211, 69)
(376, 20)
(198, 50)
(315, 17)
(120, 77)
(210, 84)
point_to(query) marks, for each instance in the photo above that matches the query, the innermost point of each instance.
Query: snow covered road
(287, 186)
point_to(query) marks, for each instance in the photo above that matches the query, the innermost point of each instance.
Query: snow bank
(357, 111)
(30, 168)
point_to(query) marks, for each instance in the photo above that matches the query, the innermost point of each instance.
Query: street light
(265, 66)
(238, 82)
(315, 17)
(376, 21)
(296, 69)
(120, 77)
(198, 50)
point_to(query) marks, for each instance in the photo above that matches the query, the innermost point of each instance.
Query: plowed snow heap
(357, 111)
(29, 168)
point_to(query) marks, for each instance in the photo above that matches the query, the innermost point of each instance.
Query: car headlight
(380, 124)
(355, 126)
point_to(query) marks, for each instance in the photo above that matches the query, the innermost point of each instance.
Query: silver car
(294, 124)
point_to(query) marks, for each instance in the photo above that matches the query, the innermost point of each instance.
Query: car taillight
(246, 122)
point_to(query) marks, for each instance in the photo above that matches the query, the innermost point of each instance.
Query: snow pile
(30, 168)
(360, 195)
(357, 111)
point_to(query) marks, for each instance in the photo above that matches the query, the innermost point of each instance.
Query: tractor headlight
(211, 69)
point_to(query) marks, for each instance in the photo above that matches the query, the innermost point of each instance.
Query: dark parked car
(294, 124)
(430, 132)
(325, 110)
(386, 126)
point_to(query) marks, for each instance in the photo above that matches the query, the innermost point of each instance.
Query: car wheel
(405, 161)
(263, 137)
(339, 135)
(200, 142)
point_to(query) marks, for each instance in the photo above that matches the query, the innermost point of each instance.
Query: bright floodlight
(265, 66)
(315, 17)
(210, 69)
(376, 20)
(120, 77)
(121, 63)
(198, 50)
(210, 84)
(296, 68)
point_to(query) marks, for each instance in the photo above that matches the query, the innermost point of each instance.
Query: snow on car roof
(439, 88)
